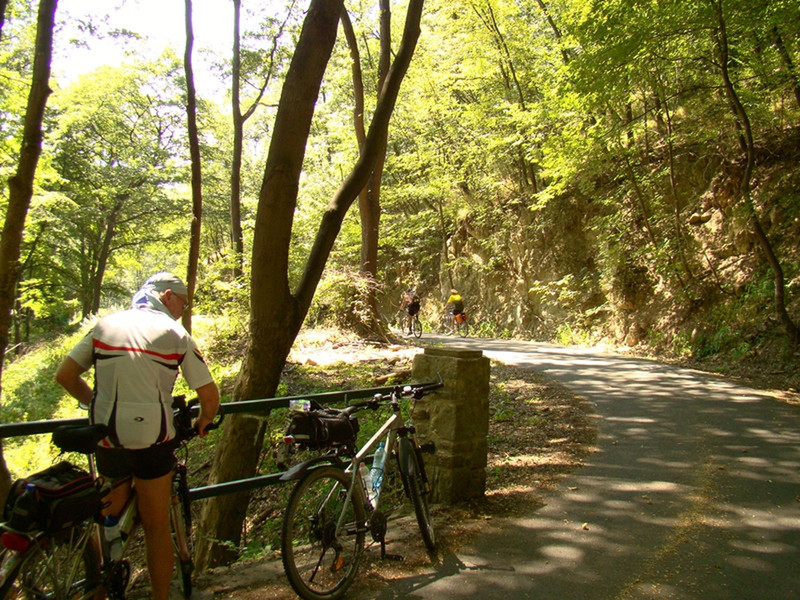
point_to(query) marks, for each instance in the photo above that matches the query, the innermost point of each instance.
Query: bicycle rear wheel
(64, 566)
(416, 327)
(323, 535)
(419, 498)
(463, 328)
(181, 521)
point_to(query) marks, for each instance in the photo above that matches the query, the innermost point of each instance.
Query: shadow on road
(693, 493)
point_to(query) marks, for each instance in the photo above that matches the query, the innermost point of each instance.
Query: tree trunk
(105, 252)
(787, 61)
(3, 6)
(369, 205)
(276, 313)
(239, 119)
(197, 172)
(21, 185)
(791, 328)
(237, 237)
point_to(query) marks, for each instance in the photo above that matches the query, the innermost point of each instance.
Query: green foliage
(30, 393)
(566, 335)
(341, 300)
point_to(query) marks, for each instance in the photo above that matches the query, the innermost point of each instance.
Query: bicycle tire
(416, 327)
(181, 521)
(309, 533)
(64, 566)
(419, 498)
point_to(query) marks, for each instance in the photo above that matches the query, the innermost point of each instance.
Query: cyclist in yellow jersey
(455, 304)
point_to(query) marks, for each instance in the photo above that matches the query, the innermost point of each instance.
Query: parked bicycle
(452, 323)
(55, 548)
(336, 500)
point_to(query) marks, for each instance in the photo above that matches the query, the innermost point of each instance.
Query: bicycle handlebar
(397, 393)
(183, 413)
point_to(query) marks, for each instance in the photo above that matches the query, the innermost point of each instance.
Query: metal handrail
(8, 430)
(245, 406)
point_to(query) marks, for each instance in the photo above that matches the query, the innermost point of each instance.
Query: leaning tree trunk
(779, 296)
(277, 314)
(21, 185)
(274, 314)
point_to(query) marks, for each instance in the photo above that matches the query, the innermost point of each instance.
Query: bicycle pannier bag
(322, 428)
(51, 500)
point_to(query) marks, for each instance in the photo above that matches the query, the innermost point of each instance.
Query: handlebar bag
(52, 500)
(323, 428)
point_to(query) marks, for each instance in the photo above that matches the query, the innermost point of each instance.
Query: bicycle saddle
(83, 438)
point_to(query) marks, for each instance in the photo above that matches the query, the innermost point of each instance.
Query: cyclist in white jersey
(136, 356)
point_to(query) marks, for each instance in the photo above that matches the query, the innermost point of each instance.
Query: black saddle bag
(52, 500)
(322, 428)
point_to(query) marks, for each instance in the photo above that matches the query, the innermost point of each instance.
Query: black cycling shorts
(413, 308)
(146, 463)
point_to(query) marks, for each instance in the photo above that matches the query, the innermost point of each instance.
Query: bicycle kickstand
(385, 555)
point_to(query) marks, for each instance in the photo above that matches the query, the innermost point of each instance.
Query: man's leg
(153, 502)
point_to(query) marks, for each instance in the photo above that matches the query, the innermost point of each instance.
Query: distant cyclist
(410, 302)
(455, 305)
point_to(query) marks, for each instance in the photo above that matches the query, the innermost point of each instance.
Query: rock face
(456, 420)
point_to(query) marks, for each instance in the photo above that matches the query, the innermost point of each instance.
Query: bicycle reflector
(15, 541)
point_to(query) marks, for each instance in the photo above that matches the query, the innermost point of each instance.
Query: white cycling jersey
(136, 356)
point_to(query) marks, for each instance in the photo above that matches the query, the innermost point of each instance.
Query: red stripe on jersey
(104, 346)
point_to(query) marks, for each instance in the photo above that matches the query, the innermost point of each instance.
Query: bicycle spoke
(322, 540)
(64, 566)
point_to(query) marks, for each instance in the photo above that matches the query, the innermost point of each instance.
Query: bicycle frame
(394, 431)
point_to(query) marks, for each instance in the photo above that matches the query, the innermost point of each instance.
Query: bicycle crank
(120, 576)
(377, 525)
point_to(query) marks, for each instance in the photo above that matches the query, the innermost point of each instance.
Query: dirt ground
(538, 432)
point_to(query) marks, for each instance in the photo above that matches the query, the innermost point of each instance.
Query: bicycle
(453, 323)
(76, 562)
(401, 320)
(331, 509)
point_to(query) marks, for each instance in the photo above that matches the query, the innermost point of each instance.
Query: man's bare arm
(69, 377)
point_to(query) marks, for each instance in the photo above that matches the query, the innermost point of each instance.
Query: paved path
(693, 494)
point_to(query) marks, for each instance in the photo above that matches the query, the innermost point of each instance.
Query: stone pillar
(456, 419)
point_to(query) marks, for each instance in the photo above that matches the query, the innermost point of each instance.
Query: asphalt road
(694, 493)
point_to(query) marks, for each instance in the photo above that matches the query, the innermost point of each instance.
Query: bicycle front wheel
(416, 327)
(419, 498)
(64, 566)
(323, 535)
(181, 521)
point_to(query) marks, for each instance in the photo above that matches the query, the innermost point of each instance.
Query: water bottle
(366, 480)
(113, 537)
(376, 473)
(24, 515)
